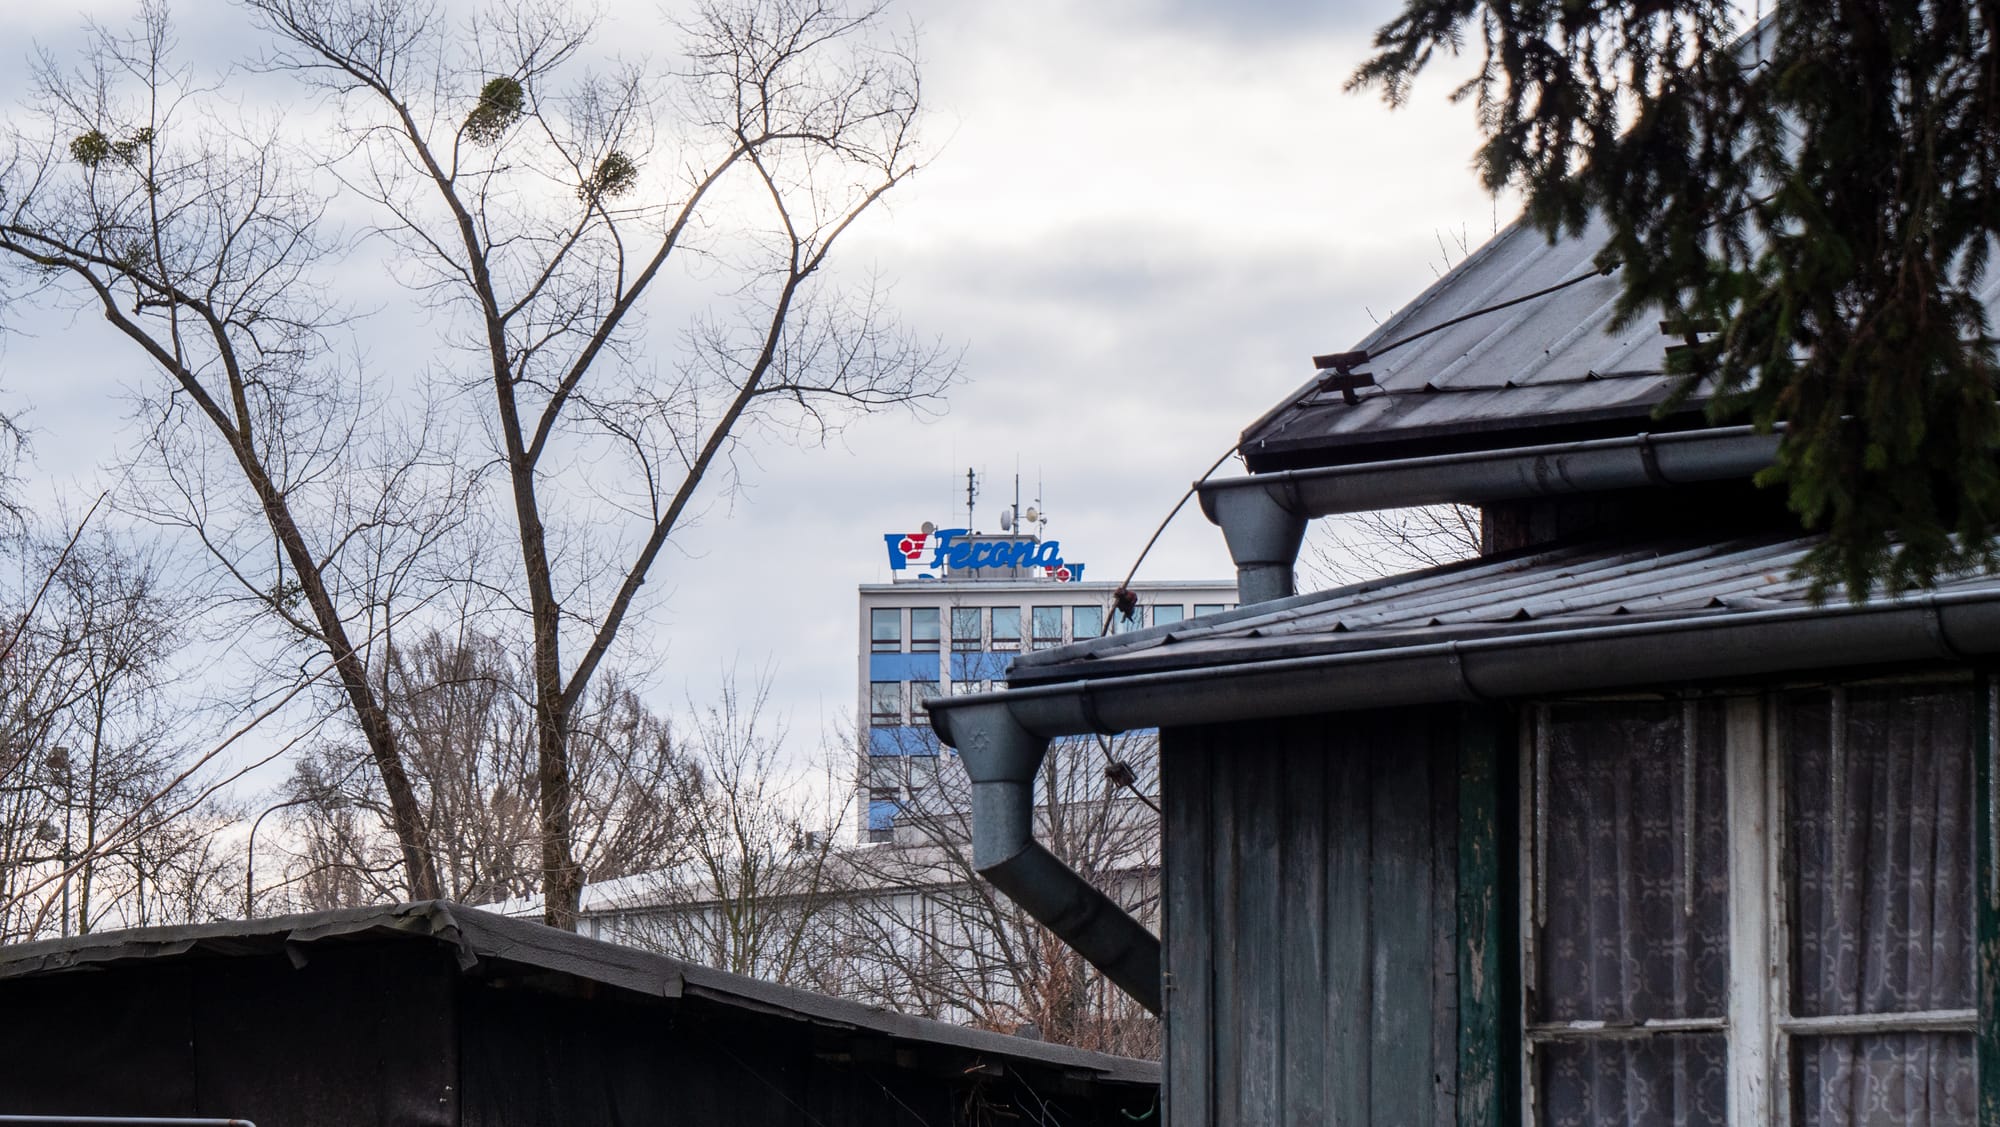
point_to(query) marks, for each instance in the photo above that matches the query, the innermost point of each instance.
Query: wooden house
(1613, 824)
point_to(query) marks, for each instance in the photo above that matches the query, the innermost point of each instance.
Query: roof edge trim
(1947, 627)
(1477, 477)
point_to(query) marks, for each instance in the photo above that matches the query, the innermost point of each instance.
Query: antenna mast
(971, 495)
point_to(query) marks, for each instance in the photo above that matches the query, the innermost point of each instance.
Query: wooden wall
(1327, 960)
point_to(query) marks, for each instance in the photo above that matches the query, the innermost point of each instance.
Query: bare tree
(1363, 546)
(755, 893)
(99, 818)
(537, 207)
(460, 705)
(926, 934)
(545, 203)
(133, 189)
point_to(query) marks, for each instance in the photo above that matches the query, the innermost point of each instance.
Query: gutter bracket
(1002, 758)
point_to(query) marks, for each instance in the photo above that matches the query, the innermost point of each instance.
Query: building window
(1048, 626)
(920, 692)
(1006, 628)
(885, 630)
(1087, 622)
(966, 634)
(1122, 625)
(1164, 615)
(885, 703)
(965, 688)
(1209, 608)
(1752, 910)
(924, 630)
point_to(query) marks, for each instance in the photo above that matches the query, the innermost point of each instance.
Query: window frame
(881, 645)
(1006, 645)
(934, 643)
(1759, 1029)
(1039, 640)
(875, 713)
(974, 643)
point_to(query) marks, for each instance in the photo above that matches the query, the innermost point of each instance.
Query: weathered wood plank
(1443, 737)
(1261, 911)
(1987, 915)
(1186, 760)
(1479, 917)
(1400, 1070)
(1348, 999)
(1303, 826)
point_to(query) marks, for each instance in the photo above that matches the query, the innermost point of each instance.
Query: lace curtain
(1635, 909)
(1881, 823)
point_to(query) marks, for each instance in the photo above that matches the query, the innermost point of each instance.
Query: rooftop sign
(951, 548)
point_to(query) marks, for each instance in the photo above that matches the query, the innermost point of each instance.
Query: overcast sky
(1142, 218)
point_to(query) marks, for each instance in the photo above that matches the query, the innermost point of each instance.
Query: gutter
(1947, 626)
(1263, 516)
(1001, 757)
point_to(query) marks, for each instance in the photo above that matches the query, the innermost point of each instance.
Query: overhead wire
(1125, 602)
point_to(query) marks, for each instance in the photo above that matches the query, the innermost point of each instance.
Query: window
(924, 630)
(1048, 626)
(1006, 628)
(966, 634)
(1122, 625)
(1686, 964)
(885, 773)
(1209, 608)
(885, 703)
(1166, 615)
(885, 630)
(963, 688)
(1087, 622)
(921, 691)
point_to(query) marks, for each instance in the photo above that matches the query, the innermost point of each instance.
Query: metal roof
(1553, 363)
(1569, 588)
(477, 937)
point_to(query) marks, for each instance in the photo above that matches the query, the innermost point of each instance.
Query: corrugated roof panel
(1559, 589)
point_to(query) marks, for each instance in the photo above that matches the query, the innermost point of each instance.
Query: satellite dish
(1006, 520)
(1031, 516)
(928, 528)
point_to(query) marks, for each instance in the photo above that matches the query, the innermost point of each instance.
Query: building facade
(945, 630)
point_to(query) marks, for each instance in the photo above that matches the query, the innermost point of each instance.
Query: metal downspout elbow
(1001, 758)
(1263, 537)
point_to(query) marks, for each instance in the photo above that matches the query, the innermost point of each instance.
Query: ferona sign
(949, 548)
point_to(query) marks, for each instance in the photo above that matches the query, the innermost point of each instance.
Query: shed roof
(1600, 586)
(1543, 370)
(475, 938)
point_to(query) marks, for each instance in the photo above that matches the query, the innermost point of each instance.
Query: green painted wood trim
(1484, 1059)
(1987, 915)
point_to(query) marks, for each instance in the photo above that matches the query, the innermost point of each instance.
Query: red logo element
(1062, 575)
(912, 546)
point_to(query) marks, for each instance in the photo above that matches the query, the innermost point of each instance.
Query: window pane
(1626, 936)
(1122, 625)
(1208, 608)
(921, 691)
(885, 702)
(1660, 1081)
(965, 632)
(1048, 623)
(923, 629)
(1885, 1080)
(1165, 615)
(1880, 789)
(885, 629)
(1006, 627)
(1086, 623)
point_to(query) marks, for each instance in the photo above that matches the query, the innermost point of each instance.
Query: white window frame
(1758, 1025)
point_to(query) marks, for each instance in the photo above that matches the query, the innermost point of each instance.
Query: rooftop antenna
(971, 495)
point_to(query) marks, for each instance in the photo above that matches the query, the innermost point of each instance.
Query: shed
(433, 1013)
(1613, 824)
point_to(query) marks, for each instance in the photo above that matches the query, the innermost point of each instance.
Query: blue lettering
(1049, 554)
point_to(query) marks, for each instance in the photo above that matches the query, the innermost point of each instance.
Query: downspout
(1263, 516)
(1001, 758)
